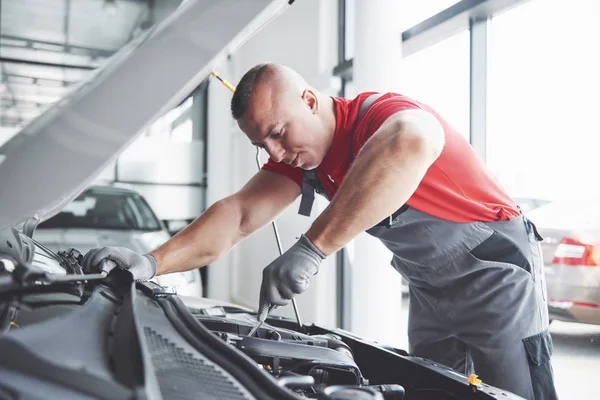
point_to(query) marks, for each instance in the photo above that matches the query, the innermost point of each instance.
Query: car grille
(183, 376)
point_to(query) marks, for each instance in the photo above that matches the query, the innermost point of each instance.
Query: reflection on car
(571, 251)
(110, 216)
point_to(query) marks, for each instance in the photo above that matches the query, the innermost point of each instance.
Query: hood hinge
(30, 225)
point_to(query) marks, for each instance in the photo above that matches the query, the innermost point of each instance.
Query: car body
(76, 335)
(107, 337)
(111, 216)
(571, 252)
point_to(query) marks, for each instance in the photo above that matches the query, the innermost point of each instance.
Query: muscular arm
(227, 222)
(386, 172)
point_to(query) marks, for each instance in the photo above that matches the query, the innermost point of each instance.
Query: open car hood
(56, 156)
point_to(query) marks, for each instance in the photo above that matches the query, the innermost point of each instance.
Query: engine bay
(314, 366)
(67, 334)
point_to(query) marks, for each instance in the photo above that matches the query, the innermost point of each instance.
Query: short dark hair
(245, 89)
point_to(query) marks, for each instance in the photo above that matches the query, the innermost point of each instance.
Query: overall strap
(366, 104)
(310, 180)
(310, 184)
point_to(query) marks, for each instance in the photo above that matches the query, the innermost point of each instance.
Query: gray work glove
(288, 275)
(142, 267)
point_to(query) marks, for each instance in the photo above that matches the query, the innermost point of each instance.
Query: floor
(576, 360)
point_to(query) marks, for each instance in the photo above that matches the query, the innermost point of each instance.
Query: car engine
(76, 335)
(315, 366)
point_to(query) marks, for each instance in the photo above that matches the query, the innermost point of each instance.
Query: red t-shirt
(457, 187)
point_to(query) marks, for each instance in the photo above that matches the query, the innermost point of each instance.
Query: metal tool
(230, 87)
(255, 329)
(279, 246)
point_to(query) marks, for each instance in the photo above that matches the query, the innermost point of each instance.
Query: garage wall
(376, 310)
(7, 132)
(231, 158)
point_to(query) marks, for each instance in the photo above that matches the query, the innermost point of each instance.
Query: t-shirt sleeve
(376, 114)
(294, 174)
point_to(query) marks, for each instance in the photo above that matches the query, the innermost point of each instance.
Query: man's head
(274, 106)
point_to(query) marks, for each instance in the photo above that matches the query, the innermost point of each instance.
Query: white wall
(6, 133)
(376, 287)
(304, 38)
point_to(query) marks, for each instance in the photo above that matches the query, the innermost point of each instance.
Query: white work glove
(288, 275)
(142, 267)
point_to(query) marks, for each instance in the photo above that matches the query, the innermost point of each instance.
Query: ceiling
(47, 46)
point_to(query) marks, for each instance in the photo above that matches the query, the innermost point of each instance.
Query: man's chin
(308, 167)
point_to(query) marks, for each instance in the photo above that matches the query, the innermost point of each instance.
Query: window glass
(105, 210)
(543, 102)
(145, 214)
(542, 143)
(439, 77)
(412, 13)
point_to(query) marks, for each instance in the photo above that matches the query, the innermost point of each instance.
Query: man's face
(286, 124)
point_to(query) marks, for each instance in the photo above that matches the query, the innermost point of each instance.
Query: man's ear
(311, 100)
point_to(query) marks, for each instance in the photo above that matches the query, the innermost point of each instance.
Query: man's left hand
(141, 266)
(288, 275)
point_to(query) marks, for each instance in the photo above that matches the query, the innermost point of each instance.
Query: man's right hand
(142, 267)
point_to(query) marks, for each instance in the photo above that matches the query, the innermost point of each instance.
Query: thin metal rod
(255, 329)
(279, 243)
(232, 88)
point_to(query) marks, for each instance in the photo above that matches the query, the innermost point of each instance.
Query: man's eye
(277, 134)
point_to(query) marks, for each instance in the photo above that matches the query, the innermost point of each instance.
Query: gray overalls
(477, 293)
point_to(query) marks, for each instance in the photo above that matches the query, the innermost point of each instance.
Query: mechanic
(400, 172)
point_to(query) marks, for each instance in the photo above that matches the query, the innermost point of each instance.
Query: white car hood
(55, 157)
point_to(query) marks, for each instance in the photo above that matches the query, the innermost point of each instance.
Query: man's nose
(276, 151)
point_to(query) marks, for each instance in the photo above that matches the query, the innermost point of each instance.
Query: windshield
(96, 209)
